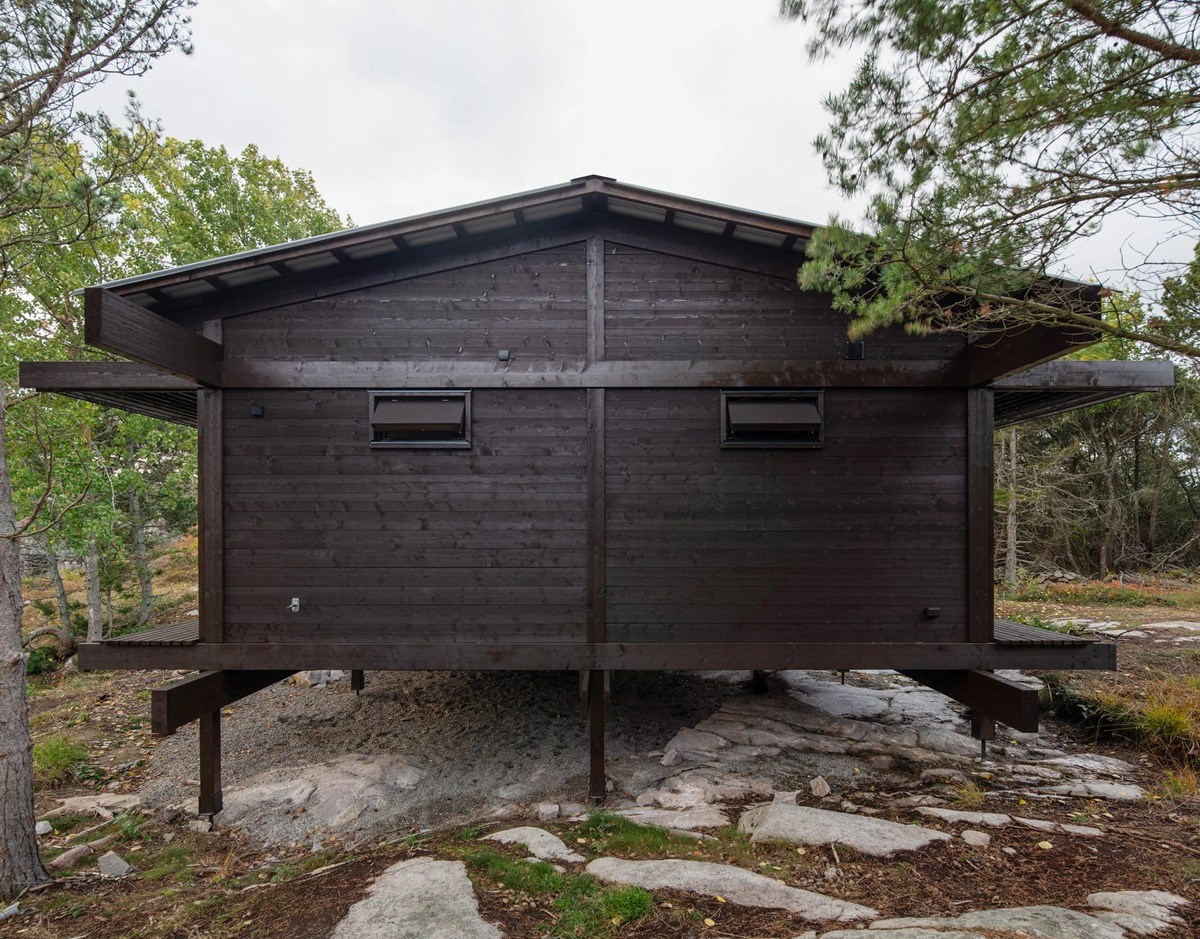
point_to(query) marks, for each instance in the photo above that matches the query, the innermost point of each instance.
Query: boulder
(113, 865)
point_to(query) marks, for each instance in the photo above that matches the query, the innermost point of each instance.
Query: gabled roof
(584, 194)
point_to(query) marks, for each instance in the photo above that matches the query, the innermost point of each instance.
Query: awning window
(420, 419)
(771, 419)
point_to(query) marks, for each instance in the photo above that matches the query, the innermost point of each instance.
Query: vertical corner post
(595, 682)
(981, 615)
(210, 449)
(210, 764)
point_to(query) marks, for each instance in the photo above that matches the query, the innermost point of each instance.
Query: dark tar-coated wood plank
(1019, 634)
(188, 699)
(185, 633)
(99, 376)
(116, 325)
(655, 656)
(334, 374)
(990, 697)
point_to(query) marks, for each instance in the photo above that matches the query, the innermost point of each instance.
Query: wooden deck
(1009, 633)
(186, 633)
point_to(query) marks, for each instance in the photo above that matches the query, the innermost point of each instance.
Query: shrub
(41, 660)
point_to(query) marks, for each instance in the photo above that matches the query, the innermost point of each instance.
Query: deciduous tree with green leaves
(51, 51)
(987, 138)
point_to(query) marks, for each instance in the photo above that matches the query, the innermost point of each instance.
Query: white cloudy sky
(409, 106)
(404, 107)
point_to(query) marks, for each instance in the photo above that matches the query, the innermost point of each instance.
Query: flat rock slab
(1095, 789)
(1141, 912)
(333, 796)
(735, 884)
(1028, 922)
(803, 825)
(701, 816)
(991, 819)
(908, 933)
(537, 841)
(418, 899)
(997, 820)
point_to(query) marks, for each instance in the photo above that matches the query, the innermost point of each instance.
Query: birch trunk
(20, 865)
(60, 590)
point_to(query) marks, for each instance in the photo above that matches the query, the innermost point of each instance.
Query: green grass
(533, 878)
(57, 758)
(1165, 723)
(614, 834)
(593, 910)
(171, 863)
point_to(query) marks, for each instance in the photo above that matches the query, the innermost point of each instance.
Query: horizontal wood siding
(531, 304)
(405, 545)
(660, 306)
(850, 542)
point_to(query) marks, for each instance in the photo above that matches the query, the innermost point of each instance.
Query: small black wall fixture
(856, 349)
(257, 410)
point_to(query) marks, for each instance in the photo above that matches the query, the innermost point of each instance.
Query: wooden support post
(210, 763)
(358, 680)
(981, 614)
(597, 787)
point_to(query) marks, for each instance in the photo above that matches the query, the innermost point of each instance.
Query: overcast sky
(406, 107)
(410, 106)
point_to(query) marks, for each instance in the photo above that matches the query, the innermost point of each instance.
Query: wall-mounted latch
(294, 606)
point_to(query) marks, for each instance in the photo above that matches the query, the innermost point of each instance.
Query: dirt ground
(527, 741)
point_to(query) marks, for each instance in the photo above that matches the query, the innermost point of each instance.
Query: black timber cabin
(589, 427)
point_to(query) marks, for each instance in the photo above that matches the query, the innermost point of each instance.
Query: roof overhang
(180, 288)
(1056, 387)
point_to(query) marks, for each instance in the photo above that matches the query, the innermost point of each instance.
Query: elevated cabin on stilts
(589, 427)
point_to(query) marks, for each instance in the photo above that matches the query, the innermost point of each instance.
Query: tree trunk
(1160, 479)
(60, 591)
(1010, 554)
(140, 557)
(20, 864)
(95, 614)
(1109, 520)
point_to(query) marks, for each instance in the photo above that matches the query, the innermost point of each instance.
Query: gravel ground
(484, 739)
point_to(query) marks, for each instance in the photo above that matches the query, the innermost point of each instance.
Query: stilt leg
(595, 709)
(357, 680)
(983, 729)
(210, 763)
(758, 683)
